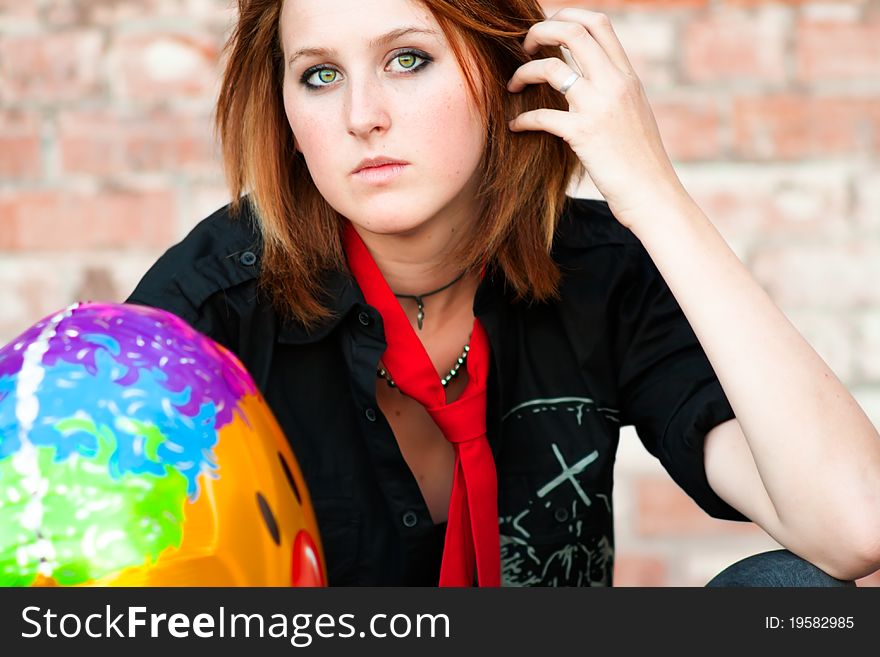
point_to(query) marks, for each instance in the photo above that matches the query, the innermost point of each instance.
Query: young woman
(452, 345)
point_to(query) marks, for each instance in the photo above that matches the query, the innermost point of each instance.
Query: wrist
(662, 211)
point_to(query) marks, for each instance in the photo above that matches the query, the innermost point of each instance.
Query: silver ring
(569, 83)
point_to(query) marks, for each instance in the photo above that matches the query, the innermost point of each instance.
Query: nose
(366, 108)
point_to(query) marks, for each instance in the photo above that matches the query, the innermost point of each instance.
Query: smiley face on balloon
(135, 451)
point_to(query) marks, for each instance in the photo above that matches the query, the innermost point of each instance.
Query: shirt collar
(344, 295)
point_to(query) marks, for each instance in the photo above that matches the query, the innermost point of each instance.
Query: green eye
(409, 62)
(315, 77)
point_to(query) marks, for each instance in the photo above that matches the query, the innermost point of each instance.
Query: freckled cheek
(451, 135)
(315, 141)
(306, 129)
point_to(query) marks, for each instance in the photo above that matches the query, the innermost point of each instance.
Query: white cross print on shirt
(568, 474)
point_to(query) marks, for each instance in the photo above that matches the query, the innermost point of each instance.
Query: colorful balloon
(135, 451)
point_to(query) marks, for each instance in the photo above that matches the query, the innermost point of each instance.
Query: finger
(600, 28)
(556, 122)
(586, 52)
(552, 71)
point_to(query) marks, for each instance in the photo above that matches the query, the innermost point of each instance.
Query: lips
(379, 172)
(376, 162)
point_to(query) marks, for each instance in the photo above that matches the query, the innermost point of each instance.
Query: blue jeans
(775, 568)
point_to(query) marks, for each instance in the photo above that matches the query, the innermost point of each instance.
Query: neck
(415, 263)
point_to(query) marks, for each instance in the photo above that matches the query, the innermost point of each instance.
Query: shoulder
(220, 253)
(589, 223)
(592, 247)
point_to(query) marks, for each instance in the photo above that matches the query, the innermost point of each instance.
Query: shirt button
(364, 318)
(561, 514)
(248, 259)
(371, 414)
(410, 519)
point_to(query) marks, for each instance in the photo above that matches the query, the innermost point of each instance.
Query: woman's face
(377, 79)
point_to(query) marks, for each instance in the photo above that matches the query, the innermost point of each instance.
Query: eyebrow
(382, 40)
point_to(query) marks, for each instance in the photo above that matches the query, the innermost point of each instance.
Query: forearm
(813, 446)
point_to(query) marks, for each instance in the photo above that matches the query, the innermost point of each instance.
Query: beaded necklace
(382, 373)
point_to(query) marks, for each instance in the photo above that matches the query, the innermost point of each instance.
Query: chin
(389, 218)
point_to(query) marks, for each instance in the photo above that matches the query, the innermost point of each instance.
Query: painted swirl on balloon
(109, 414)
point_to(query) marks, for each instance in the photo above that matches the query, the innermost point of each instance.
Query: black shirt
(614, 350)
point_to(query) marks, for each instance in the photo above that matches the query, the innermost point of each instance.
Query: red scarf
(472, 529)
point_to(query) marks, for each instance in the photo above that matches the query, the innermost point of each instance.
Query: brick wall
(106, 147)
(771, 111)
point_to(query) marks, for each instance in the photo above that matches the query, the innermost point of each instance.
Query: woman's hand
(609, 123)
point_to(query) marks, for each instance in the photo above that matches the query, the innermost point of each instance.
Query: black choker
(421, 304)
